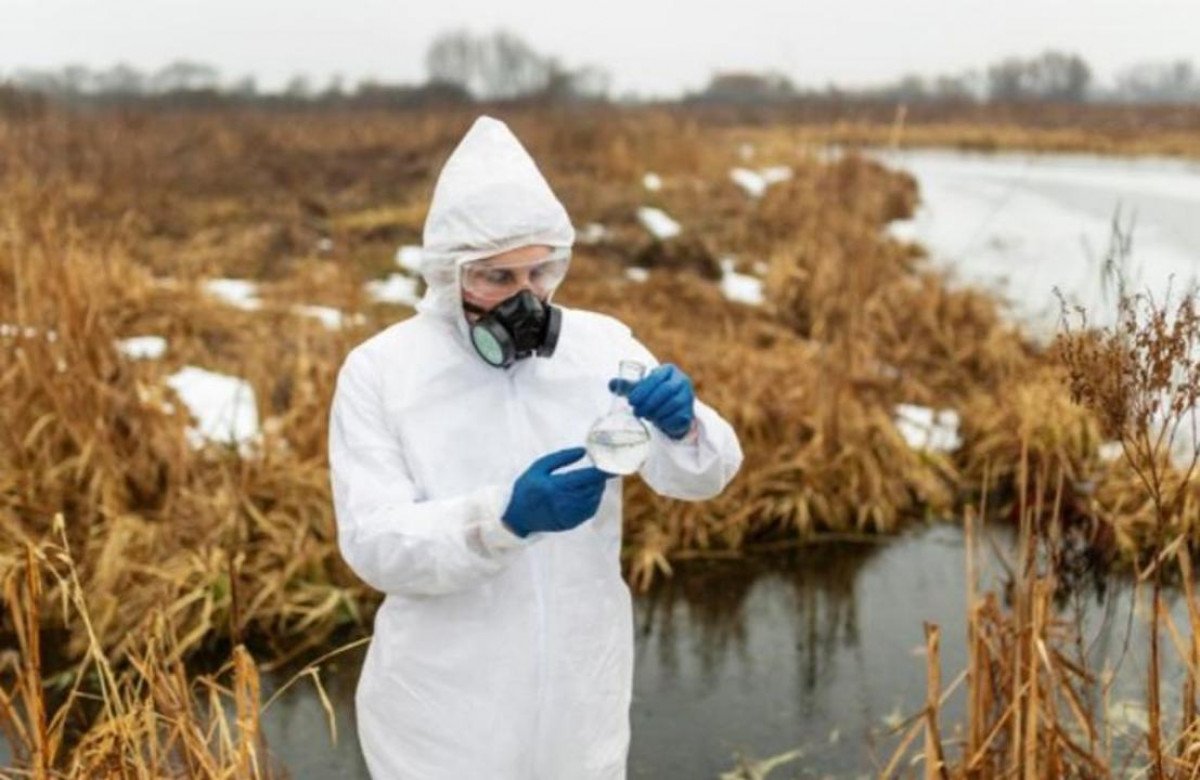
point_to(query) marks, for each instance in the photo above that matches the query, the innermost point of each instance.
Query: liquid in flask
(619, 442)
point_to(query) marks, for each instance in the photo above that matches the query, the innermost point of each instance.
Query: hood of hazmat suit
(493, 655)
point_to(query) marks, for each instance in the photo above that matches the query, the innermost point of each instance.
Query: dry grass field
(126, 549)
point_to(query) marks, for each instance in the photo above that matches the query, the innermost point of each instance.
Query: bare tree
(184, 76)
(1052, 75)
(120, 80)
(502, 66)
(512, 68)
(298, 87)
(1159, 82)
(453, 58)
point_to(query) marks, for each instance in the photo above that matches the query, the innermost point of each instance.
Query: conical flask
(619, 442)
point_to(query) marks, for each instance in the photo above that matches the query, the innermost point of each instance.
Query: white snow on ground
(776, 174)
(740, 287)
(397, 288)
(637, 274)
(143, 347)
(592, 233)
(926, 429)
(658, 223)
(652, 182)
(755, 183)
(241, 293)
(331, 318)
(1111, 450)
(9, 330)
(1022, 225)
(750, 181)
(409, 258)
(224, 406)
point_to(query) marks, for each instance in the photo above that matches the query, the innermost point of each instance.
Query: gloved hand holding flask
(545, 501)
(665, 397)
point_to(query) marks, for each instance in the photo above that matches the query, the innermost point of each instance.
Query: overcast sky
(650, 46)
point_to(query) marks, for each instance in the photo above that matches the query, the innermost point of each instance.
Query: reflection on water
(816, 650)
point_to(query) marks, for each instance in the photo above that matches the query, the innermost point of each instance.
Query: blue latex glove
(665, 397)
(545, 501)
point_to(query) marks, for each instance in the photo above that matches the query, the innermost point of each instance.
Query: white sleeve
(392, 539)
(698, 466)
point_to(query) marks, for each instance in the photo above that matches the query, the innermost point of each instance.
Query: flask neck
(619, 403)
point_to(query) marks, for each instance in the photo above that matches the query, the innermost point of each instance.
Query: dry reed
(108, 222)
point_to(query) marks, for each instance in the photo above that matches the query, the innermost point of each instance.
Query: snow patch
(592, 233)
(926, 429)
(776, 174)
(397, 288)
(331, 318)
(408, 257)
(143, 347)
(224, 406)
(658, 223)
(240, 293)
(755, 183)
(750, 181)
(741, 288)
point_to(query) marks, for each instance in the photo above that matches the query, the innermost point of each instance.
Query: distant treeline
(463, 68)
(1052, 77)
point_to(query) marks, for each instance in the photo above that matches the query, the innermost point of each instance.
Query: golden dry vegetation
(109, 224)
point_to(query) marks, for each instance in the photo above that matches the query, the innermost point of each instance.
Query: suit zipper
(536, 574)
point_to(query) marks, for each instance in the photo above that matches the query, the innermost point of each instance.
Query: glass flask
(619, 442)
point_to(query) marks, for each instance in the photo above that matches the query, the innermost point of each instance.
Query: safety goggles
(496, 281)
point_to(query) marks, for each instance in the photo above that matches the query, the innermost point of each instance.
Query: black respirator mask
(514, 329)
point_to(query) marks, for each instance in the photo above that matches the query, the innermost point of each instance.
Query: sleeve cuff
(689, 452)
(494, 535)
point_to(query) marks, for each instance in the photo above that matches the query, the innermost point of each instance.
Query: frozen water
(1023, 225)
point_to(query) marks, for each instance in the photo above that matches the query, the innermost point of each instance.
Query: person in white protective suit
(504, 646)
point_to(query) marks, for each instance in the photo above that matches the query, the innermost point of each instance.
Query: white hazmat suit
(494, 656)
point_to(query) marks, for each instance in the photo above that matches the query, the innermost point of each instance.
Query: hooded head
(490, 198)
